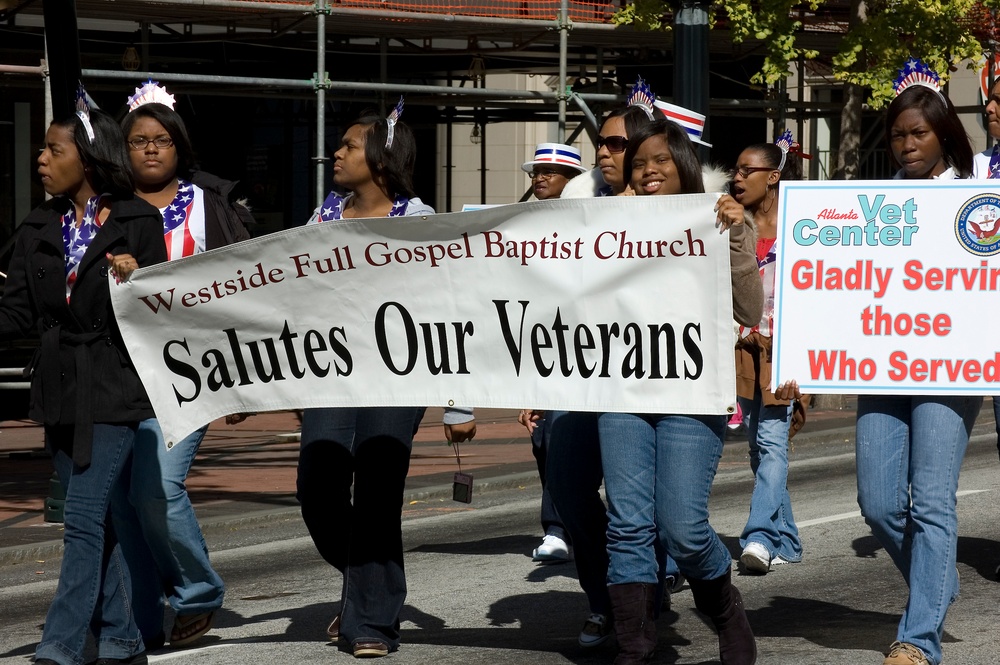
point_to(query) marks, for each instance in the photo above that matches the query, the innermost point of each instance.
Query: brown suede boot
(635, 629)
(721, 602)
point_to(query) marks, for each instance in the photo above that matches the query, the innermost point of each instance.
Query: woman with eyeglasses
(84, 388)
(659, 468)
(770, 536)
(574, 472)
(161, 536)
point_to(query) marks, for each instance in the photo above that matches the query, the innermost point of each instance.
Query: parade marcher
(158, 528)
(909, 448)
(573, 471)
(770, 536)
(367, 448)
(987, 166)
(658, 468)
(84, 387)
(553, 166)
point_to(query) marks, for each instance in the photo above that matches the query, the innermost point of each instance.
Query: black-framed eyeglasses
(544, 175)
(745, 171)
(161, 142)
(615, 144)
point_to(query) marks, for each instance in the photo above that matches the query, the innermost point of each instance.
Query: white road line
(857, 513)
(186, 653)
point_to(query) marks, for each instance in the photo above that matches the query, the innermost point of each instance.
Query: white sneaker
(596, 631)
(756, 558)
(552, 550)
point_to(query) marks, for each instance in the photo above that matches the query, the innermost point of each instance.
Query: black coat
(81, 374)
(226, 220)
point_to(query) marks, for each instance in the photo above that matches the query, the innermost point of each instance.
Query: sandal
(189, 628)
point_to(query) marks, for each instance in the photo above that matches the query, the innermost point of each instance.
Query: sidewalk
(246, 472)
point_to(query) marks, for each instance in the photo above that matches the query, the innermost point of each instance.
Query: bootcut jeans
(361, 536)
(909, 452)
(94, 590)
(770, 522)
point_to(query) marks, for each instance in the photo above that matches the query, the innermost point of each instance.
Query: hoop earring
(773, 194)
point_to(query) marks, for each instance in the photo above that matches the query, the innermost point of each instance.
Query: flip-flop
(189, 628)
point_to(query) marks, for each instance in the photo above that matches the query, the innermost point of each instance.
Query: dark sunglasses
(615, 144)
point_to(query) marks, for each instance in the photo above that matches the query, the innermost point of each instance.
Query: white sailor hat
(693, 123)
(555, 154)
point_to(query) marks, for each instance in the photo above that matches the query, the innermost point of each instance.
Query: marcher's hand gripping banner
(888, 287)
(615, 304)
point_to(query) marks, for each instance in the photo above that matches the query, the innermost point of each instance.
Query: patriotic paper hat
(693, 123)
(556, 154)
(82, 109)
(151, 92)
(390, 122)
(916, 72)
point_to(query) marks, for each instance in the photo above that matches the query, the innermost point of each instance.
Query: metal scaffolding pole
(322, 81)
(564, 28)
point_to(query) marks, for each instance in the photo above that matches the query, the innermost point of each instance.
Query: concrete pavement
(246, 473)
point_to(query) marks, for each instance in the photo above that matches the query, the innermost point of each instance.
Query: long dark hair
(392, 168)
(681, 149)
(634, 118)
(174, 124)
(110, 169)
(940, 114)
(771, 155)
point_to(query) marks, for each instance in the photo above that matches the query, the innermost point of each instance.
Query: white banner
(612, 304)
(889, 287)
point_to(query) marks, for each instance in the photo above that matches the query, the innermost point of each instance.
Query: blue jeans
(540, 449)
(658, 473)
(770, 523)
(909, 452)
(94, 586)
(573, 478)
(160, 534)
(368, 448)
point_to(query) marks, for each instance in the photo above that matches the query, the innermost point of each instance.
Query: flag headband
(83, 111)
(151, 92)
(642, 97)
(916, 72)
(391, 121)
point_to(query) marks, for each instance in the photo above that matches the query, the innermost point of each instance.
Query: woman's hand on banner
(121, 266)
(789, 390)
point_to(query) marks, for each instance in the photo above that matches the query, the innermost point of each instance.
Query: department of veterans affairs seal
(977, 225)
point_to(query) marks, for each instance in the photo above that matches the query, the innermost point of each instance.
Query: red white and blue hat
(555, 154)
(693, 123)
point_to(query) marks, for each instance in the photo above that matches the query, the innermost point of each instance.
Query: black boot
(721, 602)
(635, 629)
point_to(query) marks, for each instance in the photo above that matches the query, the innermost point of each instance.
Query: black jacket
(81, 374)
(226, 220)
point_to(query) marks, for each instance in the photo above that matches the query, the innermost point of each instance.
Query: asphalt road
(476, 597)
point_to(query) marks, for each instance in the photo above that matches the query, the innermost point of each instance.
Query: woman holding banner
(573, 469)
(910, 448)
(658, 468)
(367, 448)
(84, 387)
(160, 534)
(770, 536)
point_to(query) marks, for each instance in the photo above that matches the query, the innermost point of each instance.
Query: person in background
(160, 534)
(366, 449)
(553, 166)
(659, 468)
(84, 387)
(770, 536)
(909, 448)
